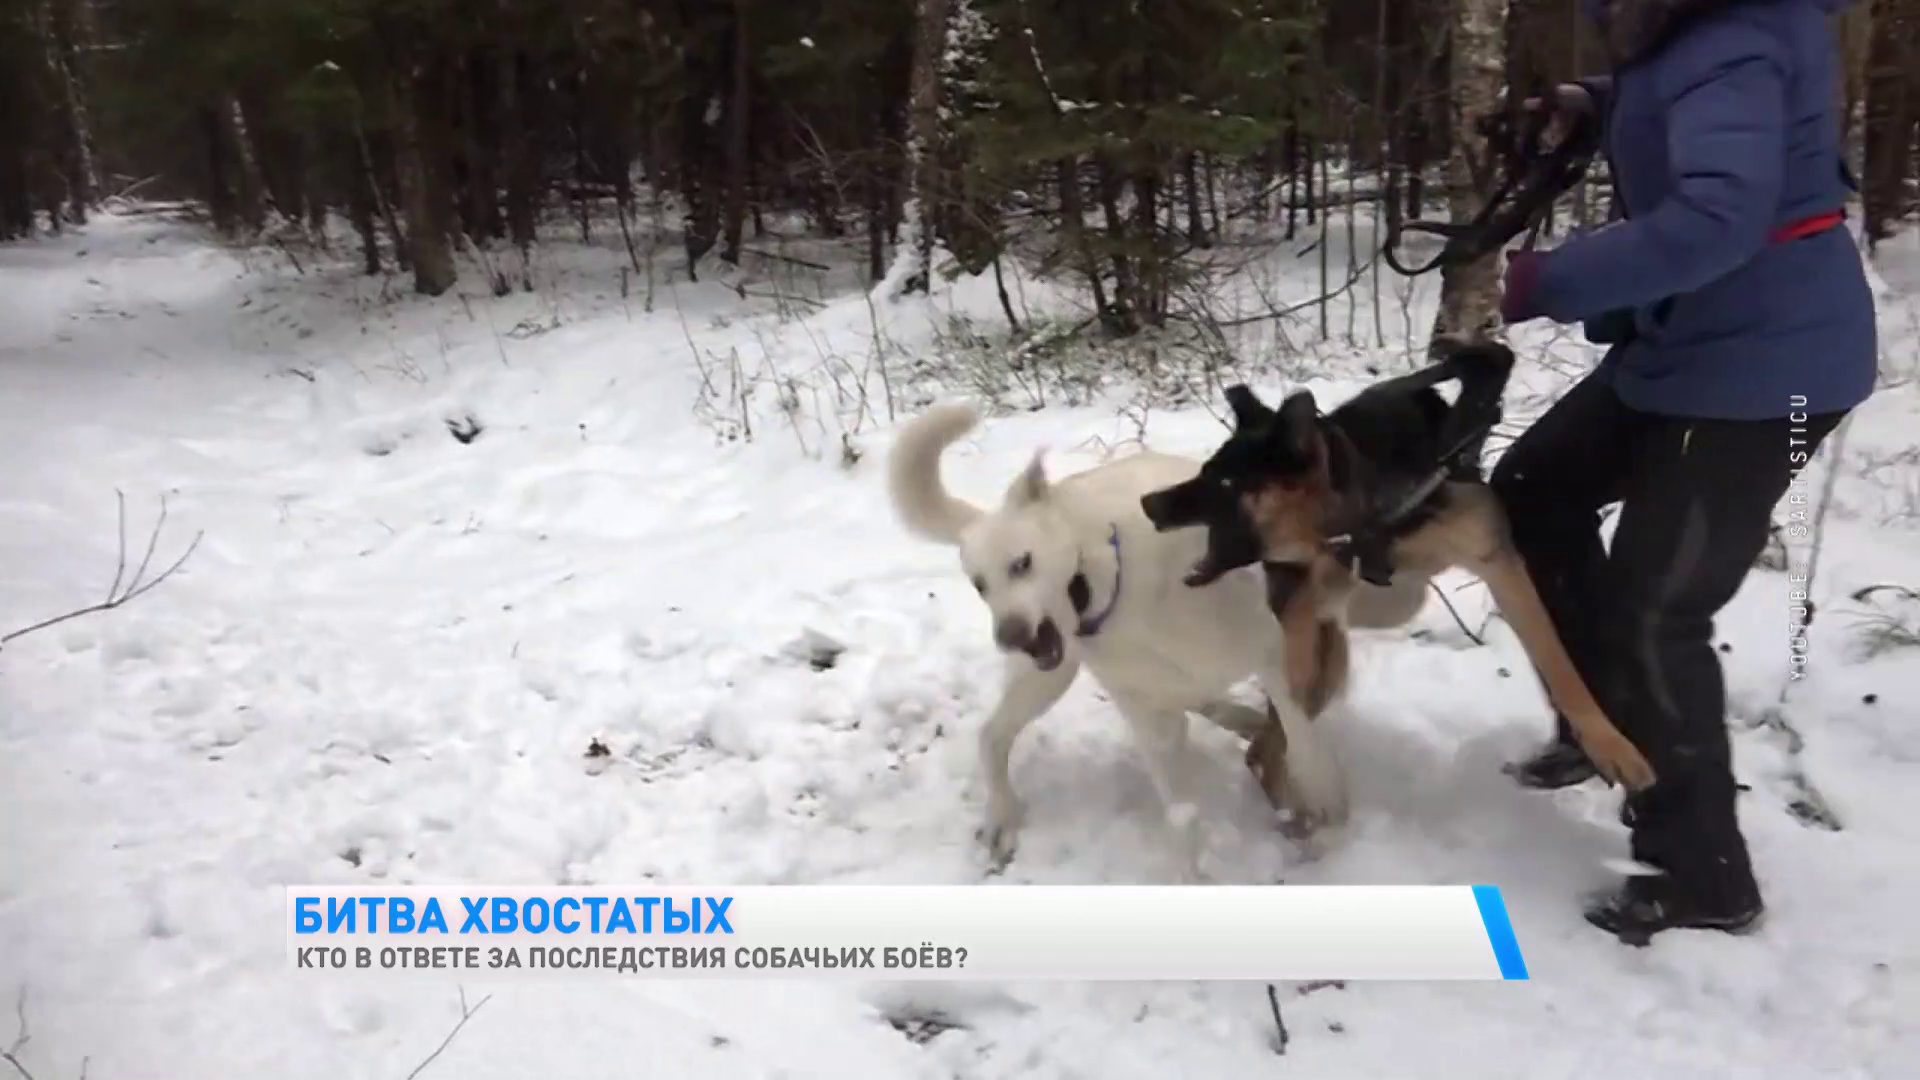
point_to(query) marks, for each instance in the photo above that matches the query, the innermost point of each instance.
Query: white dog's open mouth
(1046, 648)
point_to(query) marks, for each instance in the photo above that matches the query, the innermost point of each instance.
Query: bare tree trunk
(1382, 136)
(583, 205)
(1291, 160)
(520, 101)
(425, 192)
(254, 199)
(1213, 197)
(480, 144)
(1126, 290)
(1890, 115)
(1073, 219)
(928, 200)
(1353, 211)
(383, 195)
(1196, 225)
(313, 187)
(700, 174)
(1152, 270)
(16, 194)
(1417, 125)
(68, 33)
(739, 127)
(757, 198)
(1326, 239)
(1470, 294)
(1582, 194)
(876, 229)
(360, 207)
(823, 203)
(222, 201)
(1006, 302)
(1313, 154)
(16, 191)
(1853, 29)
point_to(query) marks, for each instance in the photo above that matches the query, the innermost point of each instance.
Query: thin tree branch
(120, 499)
(134, 588)
(466, 1014)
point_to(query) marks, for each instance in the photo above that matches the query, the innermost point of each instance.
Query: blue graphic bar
(1506, 947)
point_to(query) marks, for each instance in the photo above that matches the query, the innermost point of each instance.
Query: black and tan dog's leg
(1472, 534)
(1317, 664)
(1293, 765)
(1316, 659)
(1287, 760)
(1519, 601)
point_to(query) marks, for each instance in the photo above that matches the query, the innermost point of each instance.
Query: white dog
(1073, 573)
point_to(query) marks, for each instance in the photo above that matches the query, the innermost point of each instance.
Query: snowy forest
(447, 442)
(1116, 143)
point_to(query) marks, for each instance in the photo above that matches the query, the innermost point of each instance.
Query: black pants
(1697, 497)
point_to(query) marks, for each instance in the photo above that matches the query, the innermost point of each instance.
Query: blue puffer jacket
(1721, 130)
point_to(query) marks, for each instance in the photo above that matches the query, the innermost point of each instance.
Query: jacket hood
(1633, 28)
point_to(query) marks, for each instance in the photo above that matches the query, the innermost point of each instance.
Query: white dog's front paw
(1183, 821)
(1305, 815)
(1000, 833)
(1181, 818)
(1316, 788)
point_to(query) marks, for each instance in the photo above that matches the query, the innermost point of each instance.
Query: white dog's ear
(1031, 485)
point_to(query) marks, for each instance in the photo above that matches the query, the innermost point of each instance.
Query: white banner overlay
(919, 932)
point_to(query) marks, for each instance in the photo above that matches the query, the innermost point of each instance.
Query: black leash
(1531, 180)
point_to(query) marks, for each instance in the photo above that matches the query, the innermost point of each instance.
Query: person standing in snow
(1741, 331)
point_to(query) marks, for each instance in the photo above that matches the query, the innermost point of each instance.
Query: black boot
(1686, 828)
(1561, 765)
(1646, 905)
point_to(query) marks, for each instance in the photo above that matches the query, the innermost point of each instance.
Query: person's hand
(1569, 103)
(1569, 98)
(1517, 285)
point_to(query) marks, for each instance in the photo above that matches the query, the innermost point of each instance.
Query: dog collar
(1080, 594)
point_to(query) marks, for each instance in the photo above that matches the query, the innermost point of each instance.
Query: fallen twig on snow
(466, 1014)
(11, 1055)
(1280, 1037)
(1451, 610)
(135, 587)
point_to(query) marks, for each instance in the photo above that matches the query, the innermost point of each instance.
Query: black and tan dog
(1384, 493)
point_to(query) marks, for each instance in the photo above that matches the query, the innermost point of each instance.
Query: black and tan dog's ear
(1295, 430)
(1248, 410)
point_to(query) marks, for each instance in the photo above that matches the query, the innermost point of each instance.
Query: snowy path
(392, 649)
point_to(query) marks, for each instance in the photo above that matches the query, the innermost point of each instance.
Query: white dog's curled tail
(920, 497)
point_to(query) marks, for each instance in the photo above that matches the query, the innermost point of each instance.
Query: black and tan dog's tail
(1479, 365)
(1483, 369)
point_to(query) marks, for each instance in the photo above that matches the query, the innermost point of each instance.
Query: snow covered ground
(390, 652)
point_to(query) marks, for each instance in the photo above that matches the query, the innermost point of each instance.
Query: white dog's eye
(980, 585)
(1021, 565)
